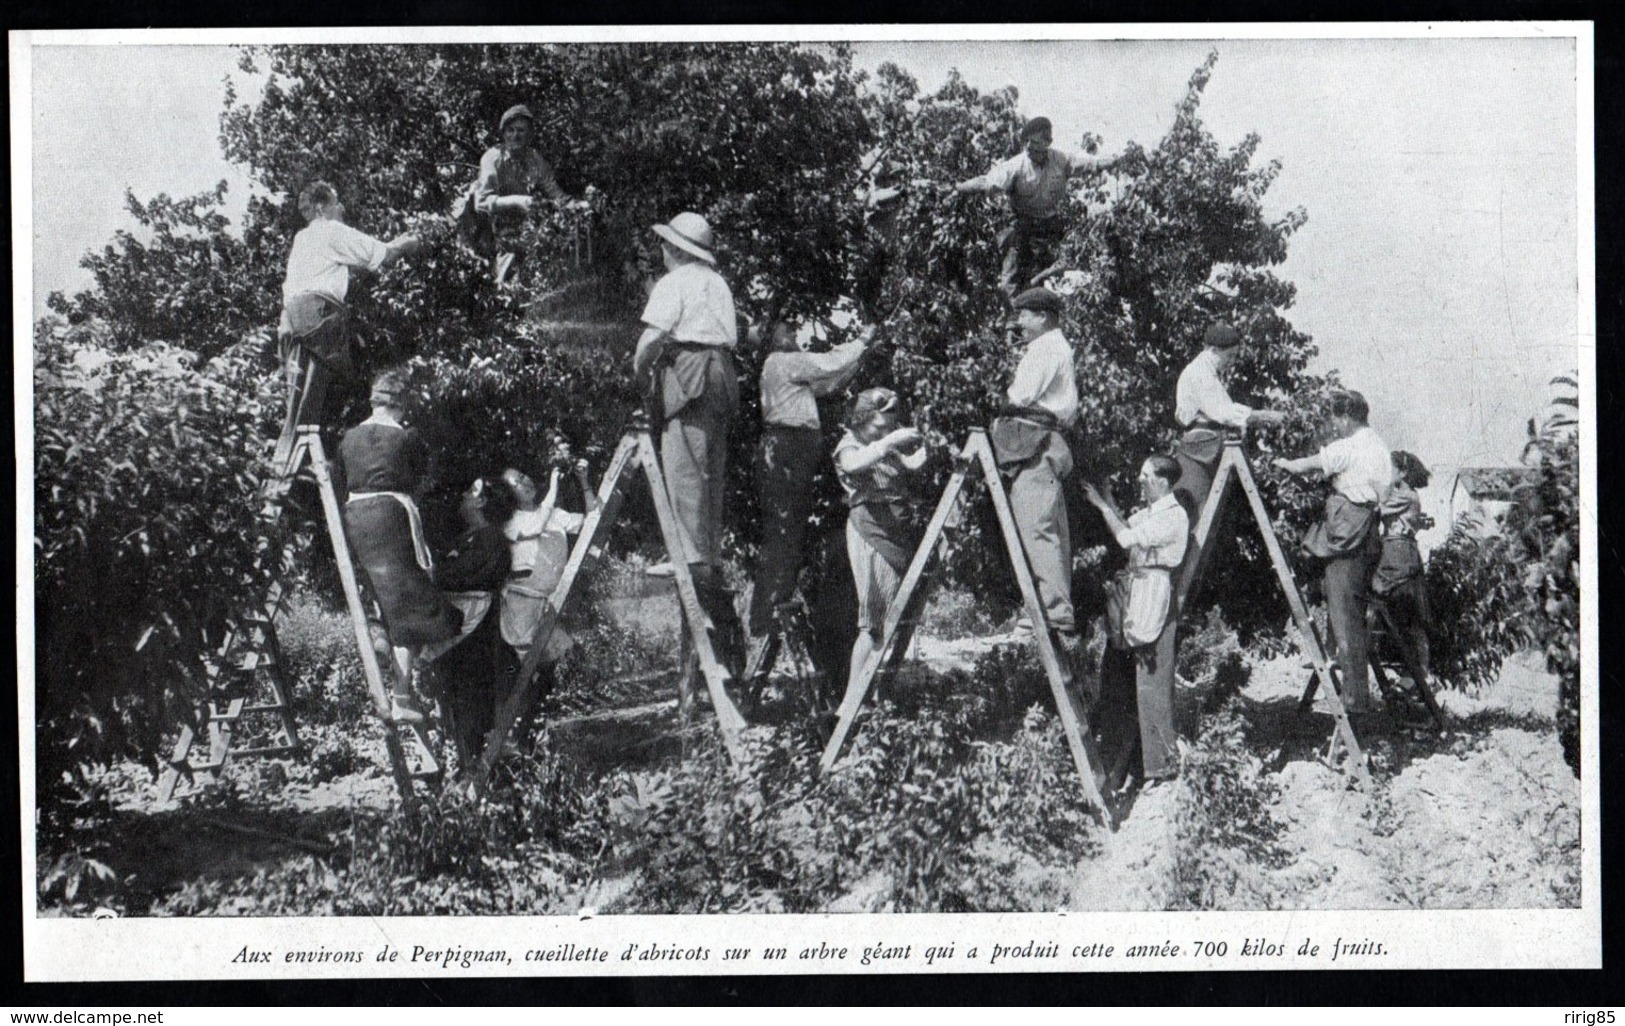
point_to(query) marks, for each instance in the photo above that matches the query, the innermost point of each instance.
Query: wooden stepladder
(1233, 465)
(254, 654)
(1384, 618)
(903, 616)
(407, 744)
(637, 450)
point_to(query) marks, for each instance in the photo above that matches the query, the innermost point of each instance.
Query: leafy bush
(1480, 608)
(148, 547)
(1211, 659)
(1226, 835)
(1493, 596)
(921, 815)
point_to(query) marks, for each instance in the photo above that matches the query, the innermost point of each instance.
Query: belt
(1034, 414)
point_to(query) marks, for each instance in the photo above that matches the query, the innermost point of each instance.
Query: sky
(1437, 271)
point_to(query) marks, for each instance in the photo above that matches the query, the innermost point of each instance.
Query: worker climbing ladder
(903, 615)
(1233, 465)
(636, 450)
(410, 755)
(247, 687)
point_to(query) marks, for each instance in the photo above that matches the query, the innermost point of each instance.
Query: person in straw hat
(685, 358)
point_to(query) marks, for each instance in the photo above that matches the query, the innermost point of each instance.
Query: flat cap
(1221, 336)
(1037, 126)
(1039, 299)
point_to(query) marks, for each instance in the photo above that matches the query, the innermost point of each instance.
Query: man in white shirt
(1036, 182)
(1041, 403)
(313, 335)
(685, 357)
(791, 447)
(1362, 473)
(1205, 411)
(1156, 538)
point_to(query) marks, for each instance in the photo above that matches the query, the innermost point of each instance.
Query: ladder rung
(272, 707)
(268, 751)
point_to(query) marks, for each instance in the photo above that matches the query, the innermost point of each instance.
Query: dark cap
(1221, 336)
(1037, 126)
(1039, 299)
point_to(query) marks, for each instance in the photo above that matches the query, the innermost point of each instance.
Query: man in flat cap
(685, 357)
(1205, 411)
(1027, 439)
(511, 175)
(1035, 180)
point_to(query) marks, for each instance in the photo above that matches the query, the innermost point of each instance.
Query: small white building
(1483, 495)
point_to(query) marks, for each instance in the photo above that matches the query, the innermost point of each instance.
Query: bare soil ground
(1483, 814)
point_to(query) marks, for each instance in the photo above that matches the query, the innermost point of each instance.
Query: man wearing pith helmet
(1036, 182)
(685, 357)
(1027, 439)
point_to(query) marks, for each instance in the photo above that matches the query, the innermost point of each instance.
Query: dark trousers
(1029, 245)
(1137, 704)
(1346, 583)
(786, 459)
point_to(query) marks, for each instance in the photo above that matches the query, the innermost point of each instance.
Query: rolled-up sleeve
(485, 185)
(1335, 458)
(665, 307)
(1160, 530)
(354, 248)
(824, 372)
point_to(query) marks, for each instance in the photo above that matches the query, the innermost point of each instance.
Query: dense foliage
(1496, 592)
(136, 580)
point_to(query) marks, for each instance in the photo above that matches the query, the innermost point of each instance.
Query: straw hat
(690, 233)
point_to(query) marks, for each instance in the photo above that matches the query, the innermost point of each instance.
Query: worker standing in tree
(385, 467)
(314, 333)
(512, 175)
(685, 357)
(1156, 537)
(1361, 471)
(1042, 402)
(787, 457)
(1036, 182)
(1205, 411)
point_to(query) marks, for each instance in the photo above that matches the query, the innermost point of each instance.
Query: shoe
(402, 711)
(661, 570)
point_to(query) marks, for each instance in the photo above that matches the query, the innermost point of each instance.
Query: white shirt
(1046, 378)
(1200, 395)
(539, 540)
(1157, 535)
(323, 253)
(1035, 191)
(693, 304)
(791, 383)
(1360, 466)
